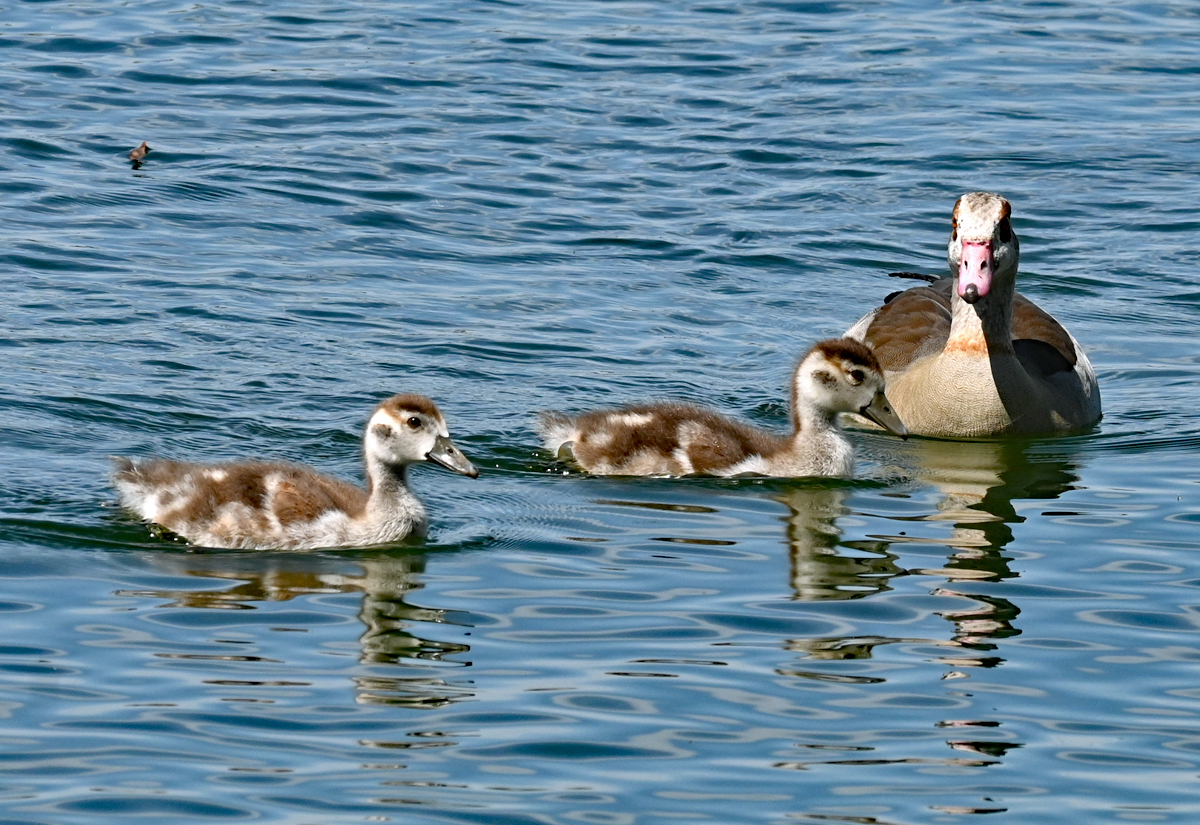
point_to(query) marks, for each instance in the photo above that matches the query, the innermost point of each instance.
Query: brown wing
(713, 441)
(718, 443)
(302, 495)
(910, 325)
(1040, 341)
(916, 322)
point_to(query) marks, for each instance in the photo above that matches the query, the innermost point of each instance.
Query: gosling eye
(414, 422)
(1004, 231)
(856, 377)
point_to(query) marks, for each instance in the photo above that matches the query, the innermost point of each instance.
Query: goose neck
(986, 323)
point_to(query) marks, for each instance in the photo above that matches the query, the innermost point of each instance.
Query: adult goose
(970, 357)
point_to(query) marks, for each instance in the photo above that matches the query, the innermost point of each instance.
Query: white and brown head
(841, 375)
(983, 249)
(406, 429)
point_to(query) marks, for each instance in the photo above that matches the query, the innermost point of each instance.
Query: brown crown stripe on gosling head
(408, 402)
(848, 350)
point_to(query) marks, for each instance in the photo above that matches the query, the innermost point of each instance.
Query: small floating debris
(140, 152)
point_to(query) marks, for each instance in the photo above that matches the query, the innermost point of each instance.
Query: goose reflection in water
(977, 483)
(389, 621)
(975, 486)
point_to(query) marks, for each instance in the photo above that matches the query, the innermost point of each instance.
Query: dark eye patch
(857, 376)
(415, 422)
(1004, 231)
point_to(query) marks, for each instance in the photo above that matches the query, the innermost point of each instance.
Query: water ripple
(513, 207)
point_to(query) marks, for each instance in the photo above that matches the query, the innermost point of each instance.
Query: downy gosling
(675, 439)
(272, 505)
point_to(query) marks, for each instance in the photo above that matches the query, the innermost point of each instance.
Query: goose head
(983, 249)
(407, 429)
(842, 375)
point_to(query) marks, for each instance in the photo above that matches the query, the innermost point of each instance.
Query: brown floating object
(140, 152)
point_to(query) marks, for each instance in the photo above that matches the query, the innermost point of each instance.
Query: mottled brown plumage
(262, 504)
(680, 439)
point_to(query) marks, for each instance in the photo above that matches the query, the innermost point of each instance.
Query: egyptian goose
(271, 505)
(835, 376)
(968, 356)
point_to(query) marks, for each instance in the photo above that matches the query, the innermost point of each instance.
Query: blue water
(512, 206)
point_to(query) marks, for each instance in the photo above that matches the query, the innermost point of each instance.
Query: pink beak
(975, 270)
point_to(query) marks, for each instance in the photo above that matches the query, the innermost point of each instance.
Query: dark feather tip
(916, 276)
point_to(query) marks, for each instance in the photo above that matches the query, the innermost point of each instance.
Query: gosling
(260, 505)
(674, 439)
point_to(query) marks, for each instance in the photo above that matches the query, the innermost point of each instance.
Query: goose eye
(1004, 231)
(857, 376)
(414, 422)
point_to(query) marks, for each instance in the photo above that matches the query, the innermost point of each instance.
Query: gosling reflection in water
(388, 638)
(823, 566)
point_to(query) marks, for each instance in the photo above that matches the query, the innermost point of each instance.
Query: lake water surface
(511, 206)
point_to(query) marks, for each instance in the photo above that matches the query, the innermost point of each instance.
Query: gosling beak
(445, 454)
(881, 412)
